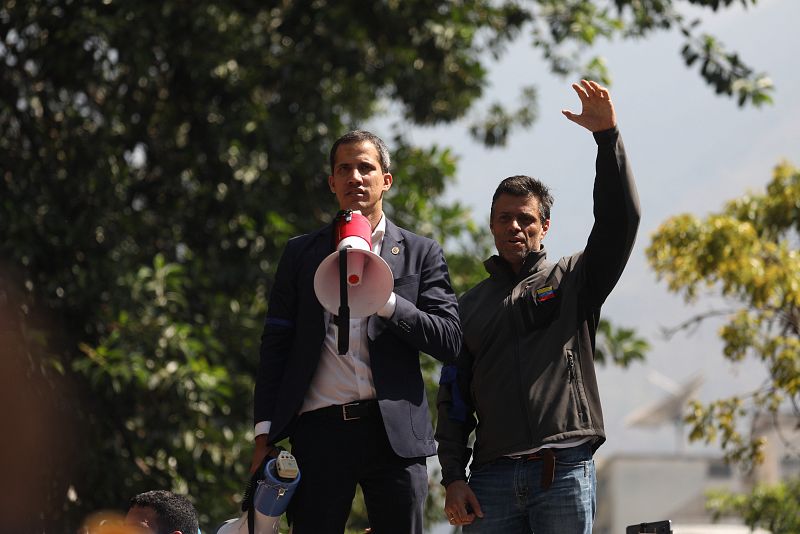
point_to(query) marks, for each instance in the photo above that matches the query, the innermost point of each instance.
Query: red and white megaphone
(353, 281)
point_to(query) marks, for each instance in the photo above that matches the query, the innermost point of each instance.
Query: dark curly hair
(174, 512)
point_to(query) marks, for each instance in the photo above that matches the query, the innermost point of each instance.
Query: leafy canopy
(748, 254)
(154, 160)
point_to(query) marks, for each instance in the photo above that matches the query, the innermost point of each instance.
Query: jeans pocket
(574, 457)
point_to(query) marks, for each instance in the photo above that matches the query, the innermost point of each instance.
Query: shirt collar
(380, 230)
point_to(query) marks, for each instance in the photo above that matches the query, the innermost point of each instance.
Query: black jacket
(525, 376)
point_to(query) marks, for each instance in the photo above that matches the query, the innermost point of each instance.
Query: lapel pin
(395, 250)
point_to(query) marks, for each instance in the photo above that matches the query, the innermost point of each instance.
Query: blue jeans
(513, 501)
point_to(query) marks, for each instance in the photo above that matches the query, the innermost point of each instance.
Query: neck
(374, 217)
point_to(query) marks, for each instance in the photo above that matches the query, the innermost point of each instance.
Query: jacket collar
(498, 267)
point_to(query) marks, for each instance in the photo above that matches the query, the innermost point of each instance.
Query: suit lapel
(393, 248)
(392, 251)
(320, 248)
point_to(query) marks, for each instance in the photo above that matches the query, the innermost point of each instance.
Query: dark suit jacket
(425, 319)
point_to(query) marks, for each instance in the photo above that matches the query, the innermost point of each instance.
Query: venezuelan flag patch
(545, 293)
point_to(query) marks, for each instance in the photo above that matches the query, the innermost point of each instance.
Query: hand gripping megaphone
(270, 497)
(353, 281)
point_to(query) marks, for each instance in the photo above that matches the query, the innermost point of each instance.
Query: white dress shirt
(343, 378)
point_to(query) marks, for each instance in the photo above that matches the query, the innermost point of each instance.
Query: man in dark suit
(360, 418)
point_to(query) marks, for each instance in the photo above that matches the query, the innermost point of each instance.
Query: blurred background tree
(774, 508)
(156, 157)
(748, 255)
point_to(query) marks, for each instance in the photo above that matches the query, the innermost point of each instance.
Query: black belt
(350, 411)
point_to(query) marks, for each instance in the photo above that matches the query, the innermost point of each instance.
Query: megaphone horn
(369, 280)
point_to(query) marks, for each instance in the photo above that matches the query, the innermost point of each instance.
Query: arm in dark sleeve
(277, 337)
(616, 217)
(432, 325)
(455, 418)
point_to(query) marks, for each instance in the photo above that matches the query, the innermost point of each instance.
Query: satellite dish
(668, 410)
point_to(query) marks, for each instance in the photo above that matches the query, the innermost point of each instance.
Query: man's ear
(330, 184)
(388, 180)
(545, 227)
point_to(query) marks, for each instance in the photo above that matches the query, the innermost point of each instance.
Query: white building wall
(634, 489)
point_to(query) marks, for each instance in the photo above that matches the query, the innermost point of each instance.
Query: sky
(690, 151)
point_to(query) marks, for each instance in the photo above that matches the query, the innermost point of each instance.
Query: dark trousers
(334, 455)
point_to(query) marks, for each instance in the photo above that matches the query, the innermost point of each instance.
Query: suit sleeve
(277, 337)
(616, 217)
(456, 418)
(432, 325)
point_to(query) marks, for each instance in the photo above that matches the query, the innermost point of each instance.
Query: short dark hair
(525, 186)
(359, 136)
(174, 512)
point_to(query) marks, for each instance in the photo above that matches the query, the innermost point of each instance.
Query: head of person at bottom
(162, 512)
(360, 174)
(519, 218)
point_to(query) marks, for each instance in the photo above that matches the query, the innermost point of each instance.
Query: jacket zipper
(573, 380)
(518, 357)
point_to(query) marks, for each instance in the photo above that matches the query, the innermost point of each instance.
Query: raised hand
(597, 110)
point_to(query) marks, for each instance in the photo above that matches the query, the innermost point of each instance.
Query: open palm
(597, 110)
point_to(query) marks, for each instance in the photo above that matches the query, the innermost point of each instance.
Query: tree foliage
(748, 253)
(619, 345)
(156, 157)
(774, 508)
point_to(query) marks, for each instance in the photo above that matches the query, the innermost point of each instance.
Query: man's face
(144, 518)
(517, 227)
(358, 180)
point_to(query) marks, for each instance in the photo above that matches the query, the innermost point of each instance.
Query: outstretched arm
(597, 110)
(616, 203)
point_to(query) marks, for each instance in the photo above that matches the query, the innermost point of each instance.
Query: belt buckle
(344, 412)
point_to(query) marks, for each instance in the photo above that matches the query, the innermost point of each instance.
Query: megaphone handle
(343, 319)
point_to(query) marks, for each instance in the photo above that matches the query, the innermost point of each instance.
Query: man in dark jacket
(360, 417)
(525, 379)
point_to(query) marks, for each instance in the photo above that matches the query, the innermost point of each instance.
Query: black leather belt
(350, 411)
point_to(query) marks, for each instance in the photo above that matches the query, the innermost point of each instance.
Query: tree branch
(693, 323)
